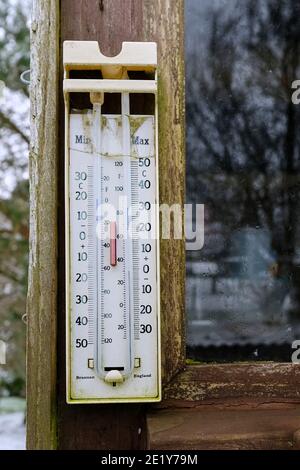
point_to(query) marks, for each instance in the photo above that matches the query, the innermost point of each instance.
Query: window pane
(243, 163)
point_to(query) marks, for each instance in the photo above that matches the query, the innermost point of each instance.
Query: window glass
(243, 164)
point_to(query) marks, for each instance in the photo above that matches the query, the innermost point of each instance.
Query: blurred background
(14, 211)
(243, 163)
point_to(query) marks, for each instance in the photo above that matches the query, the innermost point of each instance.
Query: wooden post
(110, 22)
(41, 302)
(163, 22)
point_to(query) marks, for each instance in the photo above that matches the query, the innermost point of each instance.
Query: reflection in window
(243, 163)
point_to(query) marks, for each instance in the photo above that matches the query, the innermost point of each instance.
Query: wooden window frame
(234, 384)
(50, 422)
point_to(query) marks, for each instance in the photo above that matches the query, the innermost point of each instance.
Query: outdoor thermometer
(112, 247)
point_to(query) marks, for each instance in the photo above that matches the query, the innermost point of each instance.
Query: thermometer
(112, 249)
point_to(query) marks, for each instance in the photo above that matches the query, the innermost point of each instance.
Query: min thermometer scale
(112, 248)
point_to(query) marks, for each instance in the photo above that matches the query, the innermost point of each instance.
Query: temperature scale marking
(112, 248)
(119, 288)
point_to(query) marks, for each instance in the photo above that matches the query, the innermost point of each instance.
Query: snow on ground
(12, 426)
(12, 431)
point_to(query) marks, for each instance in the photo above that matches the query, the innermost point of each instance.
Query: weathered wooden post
(51, 423)
(42, 289)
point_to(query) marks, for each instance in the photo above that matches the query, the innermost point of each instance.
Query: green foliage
(14, 207)
(14, 43)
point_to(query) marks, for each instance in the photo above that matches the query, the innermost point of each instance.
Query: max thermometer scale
(112, 248)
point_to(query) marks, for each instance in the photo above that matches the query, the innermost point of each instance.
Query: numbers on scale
(81, 277)
(112, 182)
(145, 184)
(82, 256)
(146, 289)
(82, 235)
(146, 328)
(81, 299)
(81, 195)
(82, 215)
(145, 206)
(81, 321)
(145, 309)
(81, 343)
(144, 227)
(80, 175)
(144, 162)
(146, 248)
(107, 340)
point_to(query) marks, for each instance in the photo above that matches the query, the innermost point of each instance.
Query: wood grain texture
(110, 22)
(41, 302)
(164, 23)
(240, 383)
(224, 429)
(124, 426)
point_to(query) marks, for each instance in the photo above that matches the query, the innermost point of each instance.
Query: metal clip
(23, 77)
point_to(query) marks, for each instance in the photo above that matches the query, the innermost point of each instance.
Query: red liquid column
(113, 243)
